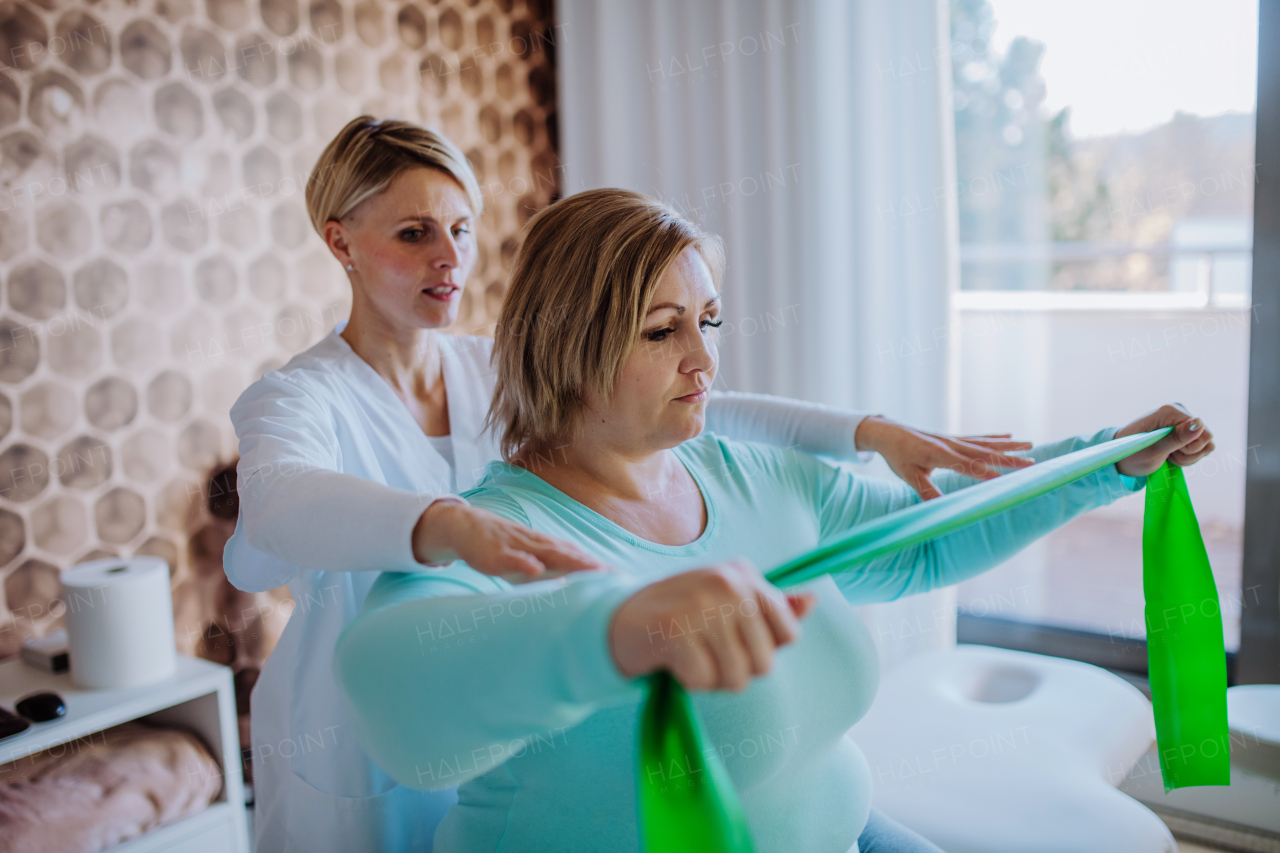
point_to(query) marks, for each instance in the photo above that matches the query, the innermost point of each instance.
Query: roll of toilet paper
(119, 622)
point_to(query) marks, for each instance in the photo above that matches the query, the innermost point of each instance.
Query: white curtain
(815, 137)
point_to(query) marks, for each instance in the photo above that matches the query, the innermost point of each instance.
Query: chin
(690, 429)
(438, 318)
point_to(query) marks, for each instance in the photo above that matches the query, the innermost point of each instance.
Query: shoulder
(501, 492)
(479, 346)
(325, 378)
(321, 359)
(745, 462)
(475, 351)
(305, 374)
(281, 396)
(713, 448)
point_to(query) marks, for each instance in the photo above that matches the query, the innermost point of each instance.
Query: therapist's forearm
(322, 520)
(783, 422)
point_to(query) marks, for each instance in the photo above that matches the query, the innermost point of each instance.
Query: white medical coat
(334, 474)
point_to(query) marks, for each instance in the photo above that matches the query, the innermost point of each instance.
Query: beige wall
(155, 251)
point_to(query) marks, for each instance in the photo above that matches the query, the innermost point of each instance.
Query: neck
(601, 469)
(407, 358)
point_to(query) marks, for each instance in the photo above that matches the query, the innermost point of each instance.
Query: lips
(441, 291)
(694, 396)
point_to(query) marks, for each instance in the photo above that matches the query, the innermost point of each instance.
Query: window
(1106, 175)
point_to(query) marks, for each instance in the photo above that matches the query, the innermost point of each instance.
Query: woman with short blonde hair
(368, 154)
(608, 404)
(352, 455)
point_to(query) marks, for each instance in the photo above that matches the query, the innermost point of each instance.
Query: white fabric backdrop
(815, 137)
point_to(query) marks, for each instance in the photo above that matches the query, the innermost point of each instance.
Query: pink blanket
(104, 789)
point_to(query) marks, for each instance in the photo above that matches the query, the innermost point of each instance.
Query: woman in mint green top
(526, 697)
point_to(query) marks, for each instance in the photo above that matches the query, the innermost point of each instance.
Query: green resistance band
(686, 801)
(1186, 658)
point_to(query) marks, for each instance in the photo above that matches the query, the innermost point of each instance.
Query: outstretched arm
(450, 673)
(974, 549)
(978, 547)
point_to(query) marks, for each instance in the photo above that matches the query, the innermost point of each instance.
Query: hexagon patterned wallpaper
(156, 255)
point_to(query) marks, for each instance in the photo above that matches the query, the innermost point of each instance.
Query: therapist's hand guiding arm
(912, 454)
(491, 544)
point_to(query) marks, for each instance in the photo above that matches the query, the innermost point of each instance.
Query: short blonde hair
(582, 284)
(367, 155)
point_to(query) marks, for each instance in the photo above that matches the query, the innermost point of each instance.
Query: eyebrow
(432, 220)
(679, 308)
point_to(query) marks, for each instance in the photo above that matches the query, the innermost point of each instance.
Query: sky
(1128, 65)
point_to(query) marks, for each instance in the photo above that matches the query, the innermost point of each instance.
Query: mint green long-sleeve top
(511, 693)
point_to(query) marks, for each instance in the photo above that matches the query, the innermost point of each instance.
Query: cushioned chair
(986, 750)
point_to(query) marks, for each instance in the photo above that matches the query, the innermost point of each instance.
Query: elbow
(256, 518)
(251, 527)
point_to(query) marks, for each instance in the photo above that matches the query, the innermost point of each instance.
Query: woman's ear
(335, 237)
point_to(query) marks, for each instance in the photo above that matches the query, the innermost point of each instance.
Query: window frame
(1259, 655)
(1258, 659)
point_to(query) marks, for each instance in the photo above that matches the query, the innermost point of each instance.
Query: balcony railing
(1194, 266)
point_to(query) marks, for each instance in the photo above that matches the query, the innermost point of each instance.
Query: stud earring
(349, 266)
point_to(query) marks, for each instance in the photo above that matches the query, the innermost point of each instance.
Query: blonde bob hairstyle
(582, 283)
(368, 154)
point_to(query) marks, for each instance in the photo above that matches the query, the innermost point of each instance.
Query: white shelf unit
(199, 696)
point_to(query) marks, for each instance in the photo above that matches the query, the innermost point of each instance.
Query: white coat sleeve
(296, 509)
(784, 422)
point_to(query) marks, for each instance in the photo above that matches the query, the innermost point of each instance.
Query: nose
(449, 255)
(700, 355)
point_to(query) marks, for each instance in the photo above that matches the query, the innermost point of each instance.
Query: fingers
(1202, 439)
(735, 622)
(975, 468)
(995, 442)
(802, 605)
(745, 648)
(557, 555)
(694, 666)
(515, 565)
(1183, 435)
(1189, 441)
(1182, 459)
(1174, 415)
(924, 486)
(496, 546)
(992, 455)
(756, 638)
(979, 462)
(1194, 451)
(781, 618)
(730, 656)
(754, 626)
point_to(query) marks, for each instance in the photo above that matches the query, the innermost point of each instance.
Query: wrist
(870, 432)
(433, 535)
